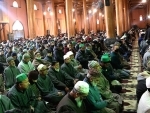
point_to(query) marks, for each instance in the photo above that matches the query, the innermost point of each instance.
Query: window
(35, 7)
(49, 9)
(15, 4)
(17, 25)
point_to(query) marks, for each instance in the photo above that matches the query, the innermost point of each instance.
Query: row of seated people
(58, 79)
(143, 78)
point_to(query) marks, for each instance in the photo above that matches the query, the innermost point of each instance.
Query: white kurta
(144, 103)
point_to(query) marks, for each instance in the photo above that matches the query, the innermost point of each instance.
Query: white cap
(82, 87)
(69, 53)
(148, 82)
(39, 68)
(123, 37)
(66, 56)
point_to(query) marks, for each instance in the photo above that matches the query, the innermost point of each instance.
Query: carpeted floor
(129, 85)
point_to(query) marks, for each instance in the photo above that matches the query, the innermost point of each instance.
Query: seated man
(5, 104)
(94, 101)
(37, 60)
(144, 106)
(76, 64)
(49, 57)
(82, 57)
(117, 64)
(10, 73)
(73, 101)
(23, 98)
(25, 66)
(104, 88)
(48, 91)
(69, 69)
(60, 79)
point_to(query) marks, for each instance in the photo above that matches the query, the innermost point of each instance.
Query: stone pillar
(31, 18)
(44, 20)
(69, 20)
(119, 17)
(85, 17)
(54, 19)
(4, 31)
(125, 15)
(109, 20)
(128, 15)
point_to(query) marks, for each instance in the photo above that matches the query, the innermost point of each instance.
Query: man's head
(82, 47)
(116, 48)
(105, 59)
(14, 55)
(37, 55)
(42, 69)
(26, 58)
(55, 65)
(22, 81)
(66, 58)
(94, 65)
(49, 53)
(10, 61)
(80, 91)
(93, 76)
(70, 54)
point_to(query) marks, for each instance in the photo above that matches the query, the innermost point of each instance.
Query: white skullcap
(66, 56)
(82, 87)
(39, 68)
(69, 53)
(92, 63)
(123, 37)
(148, 82)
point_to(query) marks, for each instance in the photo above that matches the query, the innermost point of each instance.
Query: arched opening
(35, 7)
(15, 4)
(18, 30)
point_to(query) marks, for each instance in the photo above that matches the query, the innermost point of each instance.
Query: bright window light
(15, 4)
(17, 25)
(90, 11)
(148, 16)
(59, 11)
(51, 13)
(94, 10)
(35, 7)
(73, 10)
(44, 13)
(97, 21)
(143, 1)
(141, 18)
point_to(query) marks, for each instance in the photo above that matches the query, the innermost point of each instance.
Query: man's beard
(78, 101)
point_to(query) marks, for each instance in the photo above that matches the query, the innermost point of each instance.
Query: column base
(110, 41)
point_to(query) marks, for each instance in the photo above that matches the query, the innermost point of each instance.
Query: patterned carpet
(129, 85)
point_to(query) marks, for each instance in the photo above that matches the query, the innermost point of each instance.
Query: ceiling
(78, 4)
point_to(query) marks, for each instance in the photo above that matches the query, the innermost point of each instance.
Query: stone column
(31, 18)
(125, 15)
(69, 19)
(85, 17)
(44, 20)
(119, 17)
(4, 31)
(109, 20)
(54, 19)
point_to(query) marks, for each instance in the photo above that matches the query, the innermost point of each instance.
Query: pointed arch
(18, 30)
(15, 4)
(17, 25)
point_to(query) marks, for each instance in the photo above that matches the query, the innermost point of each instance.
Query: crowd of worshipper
(76, 75)
(143, 78)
